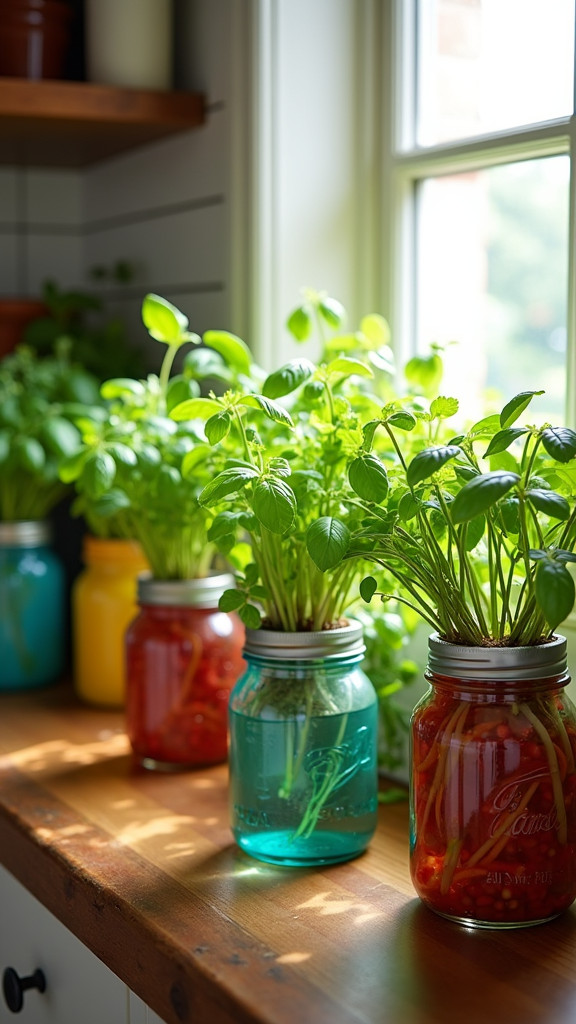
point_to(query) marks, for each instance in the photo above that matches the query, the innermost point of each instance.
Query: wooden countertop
(143, 869)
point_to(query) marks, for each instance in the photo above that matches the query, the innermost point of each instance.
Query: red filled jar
(183, 657)
(493, 785)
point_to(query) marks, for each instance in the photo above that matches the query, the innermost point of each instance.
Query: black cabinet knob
(14, 987)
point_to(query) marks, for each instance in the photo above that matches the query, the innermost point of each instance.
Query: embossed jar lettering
(493, 787)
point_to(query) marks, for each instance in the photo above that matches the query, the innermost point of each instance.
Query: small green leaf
(231, 601)
(60, 436)
(274, 504)
(474, 532)
(503, 439)
(346, 367)
(425, 372)
(71, 467)
(480, 494)
(250, 616)
(287, 378)
(376, 330)
(327, 541)
(123, 454)
(368, 478)
(510, 512)
(554, 588)
(486, 427)
(403, 420)
(332, 312)
(560, 443)
(273, 410)
(227, 482)
(516, 406)
(299, 323)
(368, 588)
(549, 502)
(408, 507)
(163, 321)
(443, 408)
(30, 454)
(180, 390)
(98, 474)
(121, 387)
(110, 503)
(218, 426)
(195, 409)
(233, 350)
(425, 463)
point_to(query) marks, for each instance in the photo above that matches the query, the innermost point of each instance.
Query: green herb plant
(40, 399)
(279, 499)
(97, 341)
(138, 473)
(477, 532)
(279, 505)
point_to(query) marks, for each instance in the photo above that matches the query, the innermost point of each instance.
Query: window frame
(405, 164)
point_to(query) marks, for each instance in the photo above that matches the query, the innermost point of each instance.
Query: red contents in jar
(181, 665)
(494, 807)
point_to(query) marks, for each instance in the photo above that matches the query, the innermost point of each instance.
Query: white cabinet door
(80, 989)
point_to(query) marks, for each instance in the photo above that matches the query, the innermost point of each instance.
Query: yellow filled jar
(103, 605)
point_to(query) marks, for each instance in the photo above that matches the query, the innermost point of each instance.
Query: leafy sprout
(138, 473)
(477, 533)
(39, 401)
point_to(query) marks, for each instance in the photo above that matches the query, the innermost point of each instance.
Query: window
(480, 171)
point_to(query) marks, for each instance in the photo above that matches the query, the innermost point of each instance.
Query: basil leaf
(425, 463)
(233, 350)
(549, 502)
(368, 478)
(503, 439)
(560, 443)
(273, 410)
(218, 426)
(480, 494)
(327, 541)
(554, 588)
(299, 323)
(274, 504)
(516, 406)
(163, 321)
(368, 588)
(287, 378)
(227, 482)
(195, 409)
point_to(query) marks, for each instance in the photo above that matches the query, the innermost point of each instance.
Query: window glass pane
(488, 65)
(492, 281)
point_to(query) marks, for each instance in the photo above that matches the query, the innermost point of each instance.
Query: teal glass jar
(303, 748)
(32, 607)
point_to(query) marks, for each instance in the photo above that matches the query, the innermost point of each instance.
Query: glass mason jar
(493, 785)
(103, 605)
(32, 607)
(303, 748)
(183, 656)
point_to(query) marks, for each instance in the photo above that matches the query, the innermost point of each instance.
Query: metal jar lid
(195, 593)
(25, 533)
(497, 663)
(300, 646)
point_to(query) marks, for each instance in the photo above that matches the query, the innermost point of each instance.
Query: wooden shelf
(75, 124)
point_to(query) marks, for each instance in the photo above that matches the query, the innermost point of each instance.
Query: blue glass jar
(32, 620)
(303, 748)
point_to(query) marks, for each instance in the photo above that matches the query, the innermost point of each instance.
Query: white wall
(228, 221)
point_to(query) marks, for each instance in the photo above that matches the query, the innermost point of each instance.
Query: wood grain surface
(143, 869)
